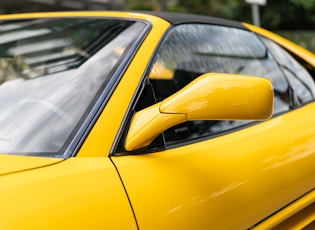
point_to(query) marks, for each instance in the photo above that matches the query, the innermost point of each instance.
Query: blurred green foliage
(307, 4)
(305, 39)
(141, 5)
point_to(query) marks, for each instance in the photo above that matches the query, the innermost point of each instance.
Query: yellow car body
(258, 177)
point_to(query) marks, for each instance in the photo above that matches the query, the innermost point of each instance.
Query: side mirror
(212, 96)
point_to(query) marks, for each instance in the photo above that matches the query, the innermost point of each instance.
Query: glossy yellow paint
(103, 134)
(289, 218)
(148, 124)
(236, 180)
(79, 193)
(212, 96)
(64, 193)
(13, 163)
(303, 53)
(217, 96)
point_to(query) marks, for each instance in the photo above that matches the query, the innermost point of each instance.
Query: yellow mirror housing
(223, 97)
(212, 96)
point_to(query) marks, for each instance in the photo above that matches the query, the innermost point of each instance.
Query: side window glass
(191, 50)
(299, 78)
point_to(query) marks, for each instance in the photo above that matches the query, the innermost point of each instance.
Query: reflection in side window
(299, 79)
(192, 50)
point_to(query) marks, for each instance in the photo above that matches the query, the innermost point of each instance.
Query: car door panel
(232, 181)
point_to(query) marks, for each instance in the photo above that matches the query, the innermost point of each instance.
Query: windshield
(51, 71)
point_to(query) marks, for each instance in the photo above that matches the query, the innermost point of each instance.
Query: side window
(191, 50)
(299, 78)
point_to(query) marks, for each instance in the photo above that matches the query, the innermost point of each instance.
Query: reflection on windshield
(51, 75)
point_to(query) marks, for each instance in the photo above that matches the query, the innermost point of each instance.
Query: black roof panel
(181, 18)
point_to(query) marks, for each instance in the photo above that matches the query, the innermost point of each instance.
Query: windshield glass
(51, 71)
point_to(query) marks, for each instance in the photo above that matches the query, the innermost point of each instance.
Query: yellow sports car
(153, 120)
